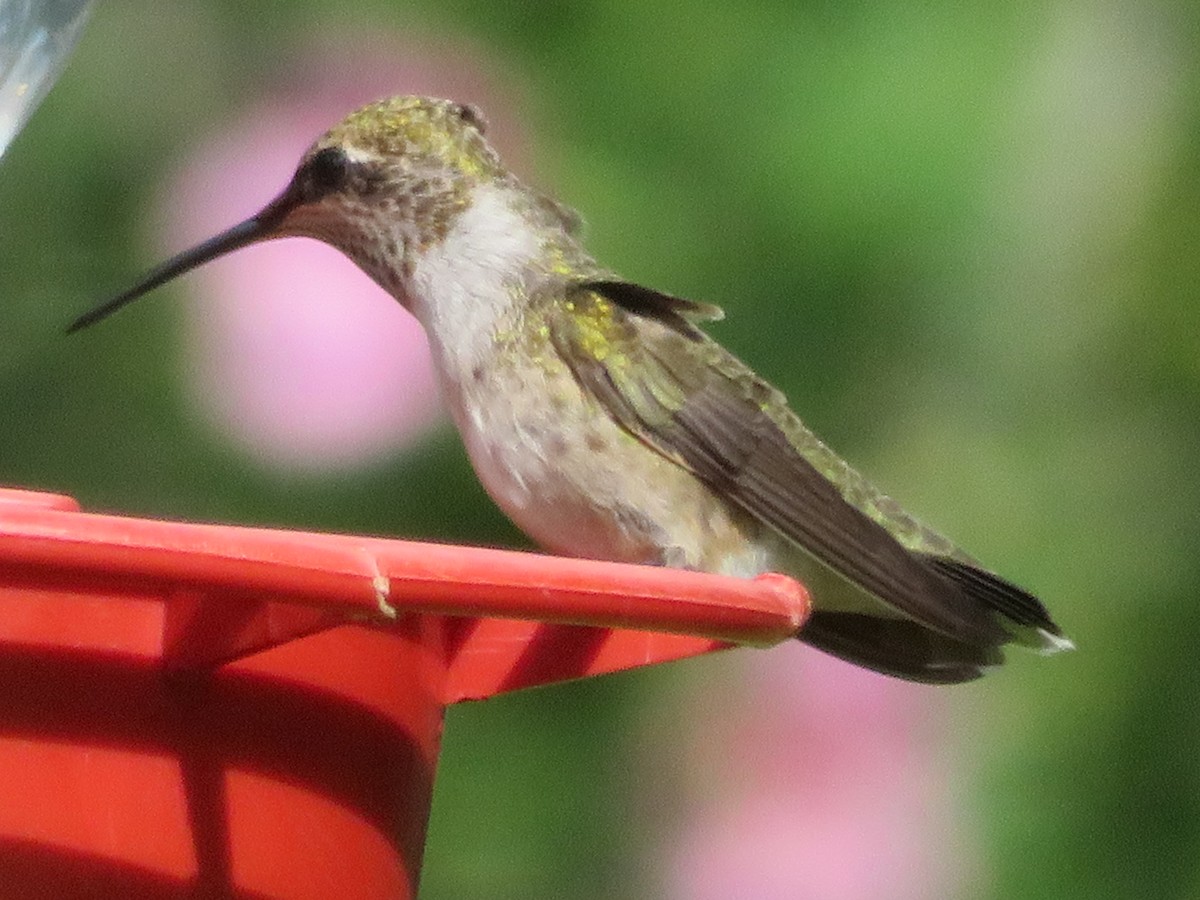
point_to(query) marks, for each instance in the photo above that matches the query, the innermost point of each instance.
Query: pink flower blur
(294, 354)
(827, 785)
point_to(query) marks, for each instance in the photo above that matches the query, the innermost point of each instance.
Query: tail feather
(899, 647)
(909, 649)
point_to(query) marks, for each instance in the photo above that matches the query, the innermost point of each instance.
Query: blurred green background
(964, 239)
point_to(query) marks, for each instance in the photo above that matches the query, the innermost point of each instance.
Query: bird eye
(471, 116)
(328, 169)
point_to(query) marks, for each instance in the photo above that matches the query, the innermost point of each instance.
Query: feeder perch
(216, 711)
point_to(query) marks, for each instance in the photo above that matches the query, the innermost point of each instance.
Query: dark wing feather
(668, 309)
(1013, 602)
(701, 407)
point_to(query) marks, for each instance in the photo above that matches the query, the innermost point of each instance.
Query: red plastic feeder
(203, 710)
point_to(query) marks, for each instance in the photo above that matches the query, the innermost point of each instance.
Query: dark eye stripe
(472, 116)
(328, 169)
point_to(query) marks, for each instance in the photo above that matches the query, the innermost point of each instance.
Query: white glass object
(36, 37)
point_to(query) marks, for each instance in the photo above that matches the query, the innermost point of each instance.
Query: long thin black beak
(257, 228)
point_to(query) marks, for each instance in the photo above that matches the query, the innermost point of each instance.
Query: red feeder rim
(214, 710)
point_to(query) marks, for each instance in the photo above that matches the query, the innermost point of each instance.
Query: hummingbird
(602, 419)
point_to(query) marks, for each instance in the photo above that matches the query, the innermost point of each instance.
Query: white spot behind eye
(358, 155)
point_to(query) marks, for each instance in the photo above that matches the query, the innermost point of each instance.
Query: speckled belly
(580, 485)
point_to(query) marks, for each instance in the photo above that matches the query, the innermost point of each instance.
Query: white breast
(466, 287)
